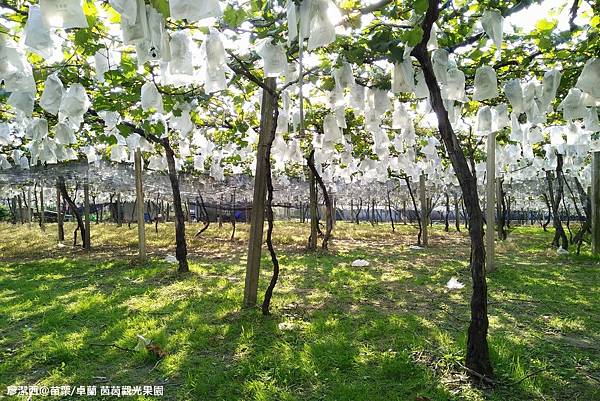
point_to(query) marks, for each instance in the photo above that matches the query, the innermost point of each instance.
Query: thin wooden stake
(139, 193)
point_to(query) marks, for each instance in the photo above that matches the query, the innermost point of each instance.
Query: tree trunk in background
(478, 358)
(456, 214)
(14, 209)
(373, 217)
(20, 209)
(447, 217)
(119, 211)
(65, 195)
(181, 245)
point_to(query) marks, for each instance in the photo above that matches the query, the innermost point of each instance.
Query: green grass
(389, 331)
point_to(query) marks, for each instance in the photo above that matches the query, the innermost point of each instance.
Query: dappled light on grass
(390, 330)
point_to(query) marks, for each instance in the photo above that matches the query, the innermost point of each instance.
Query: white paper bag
(63, 13)
(589, 78)
(151, 98)
(492, 22)
(403, 77)
(486, 85)
(127, 9)
(194, 10)
(514, 94)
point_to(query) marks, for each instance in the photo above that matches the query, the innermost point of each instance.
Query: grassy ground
(389, 331)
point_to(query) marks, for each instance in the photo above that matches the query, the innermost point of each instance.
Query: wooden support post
(86, 212)
(42, 210)
(424, 211)
(489, 209)
(139, 193)
(595, 198)
(257, 218)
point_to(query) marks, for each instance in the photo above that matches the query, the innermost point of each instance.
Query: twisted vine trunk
(327, 199)
(62, 187)
(501, 210)
(205, 213)
(181, 245)
(314, 222)
(478, 358)
(587, 208)
(269, 209)
(414, 202)
(358, 210)
(560, 237)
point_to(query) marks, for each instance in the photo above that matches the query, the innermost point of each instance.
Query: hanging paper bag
(551, 82)
(572, 105)
(181, 53)
(137, 31)
(151, 98)
(403, 77)
(37, 34)
(127, 9)
(455, 88)
(194, 10)
(22, 101)
(273, 56)
(486, 85)
(500, 117)
(492, 22)
(322, 30)
(439, 57)
(514, 94)
(484, 121)
(421, 89)
(64, 135)
(63, 13)
(590, 121)
(589, 78)
(74, 104)
(37, 129)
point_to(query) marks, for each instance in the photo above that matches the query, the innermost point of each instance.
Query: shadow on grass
(389, 331)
